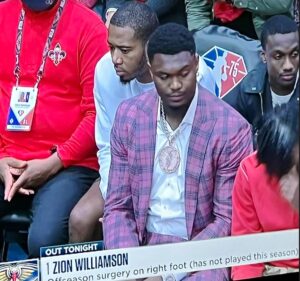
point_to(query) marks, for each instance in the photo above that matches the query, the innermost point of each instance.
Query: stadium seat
(14, 228)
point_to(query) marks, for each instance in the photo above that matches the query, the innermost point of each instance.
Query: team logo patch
(228, 69)
(57, 54)
(21, 271)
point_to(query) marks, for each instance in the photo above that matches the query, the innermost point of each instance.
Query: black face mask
(39, 5)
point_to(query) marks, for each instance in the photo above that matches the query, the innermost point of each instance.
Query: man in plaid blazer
(210, 137)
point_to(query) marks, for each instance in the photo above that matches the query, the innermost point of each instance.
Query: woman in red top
(266, 189)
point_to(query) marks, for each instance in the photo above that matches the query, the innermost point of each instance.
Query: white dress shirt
(278, 100)
(109, 92)
(166, 213)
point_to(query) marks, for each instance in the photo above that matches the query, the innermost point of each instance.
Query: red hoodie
(226, 12)
(64, 113)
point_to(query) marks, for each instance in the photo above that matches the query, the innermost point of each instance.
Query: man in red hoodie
(47, 147)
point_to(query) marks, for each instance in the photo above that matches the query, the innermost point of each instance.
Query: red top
(258, 206)
(64, 114)
(226, 12)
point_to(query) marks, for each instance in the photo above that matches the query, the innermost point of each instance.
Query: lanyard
(17, 70)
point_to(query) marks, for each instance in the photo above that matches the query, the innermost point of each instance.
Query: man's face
(282, 57)
(127, 52)
(175, 78)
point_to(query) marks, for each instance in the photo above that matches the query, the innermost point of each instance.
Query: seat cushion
(16, 220)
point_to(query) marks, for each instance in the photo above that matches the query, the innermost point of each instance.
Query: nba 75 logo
(228, 69)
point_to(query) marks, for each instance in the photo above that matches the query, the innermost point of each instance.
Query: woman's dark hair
(277, 137)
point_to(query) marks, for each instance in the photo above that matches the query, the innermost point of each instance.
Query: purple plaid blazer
(220, 139)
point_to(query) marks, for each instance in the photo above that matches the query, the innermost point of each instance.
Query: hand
(16, 173)
(10, 168)
(36, 173)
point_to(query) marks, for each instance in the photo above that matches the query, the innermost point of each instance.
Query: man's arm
(265, 7)
(199, 13)
(237, 145)
(120, 229)
(102, 130)
(82, 142)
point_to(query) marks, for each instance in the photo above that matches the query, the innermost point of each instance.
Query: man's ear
(149, 67)
(263, 57)
(197, 61)
(146, 54)
(148, 61)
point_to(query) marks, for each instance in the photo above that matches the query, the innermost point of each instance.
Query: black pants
(51, 206)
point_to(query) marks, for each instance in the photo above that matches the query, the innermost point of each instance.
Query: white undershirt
(280, 100)
(166, 213)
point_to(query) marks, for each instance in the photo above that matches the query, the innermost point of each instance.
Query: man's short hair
(137, 16)
(277, 136)
(170, 39)
(279, 24)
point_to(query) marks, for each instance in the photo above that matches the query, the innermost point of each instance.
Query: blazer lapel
(199, 139)
(146, 148)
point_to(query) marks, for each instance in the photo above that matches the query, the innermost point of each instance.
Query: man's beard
(142, 69)
(125, 81)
